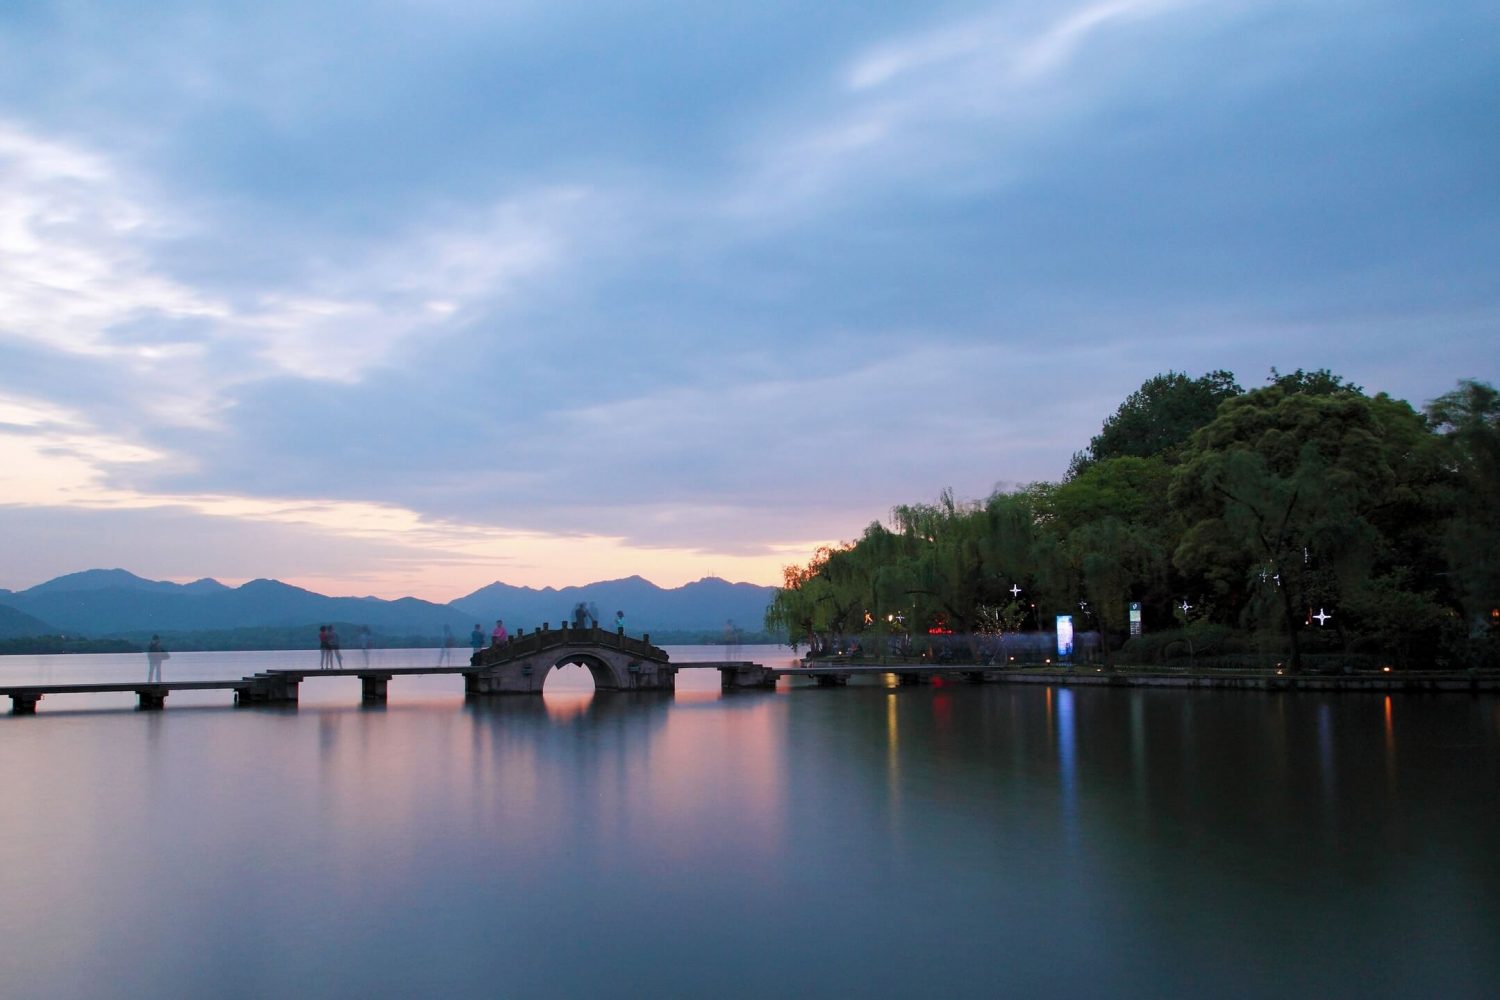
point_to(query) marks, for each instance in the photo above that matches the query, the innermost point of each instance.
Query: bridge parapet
(541, 640)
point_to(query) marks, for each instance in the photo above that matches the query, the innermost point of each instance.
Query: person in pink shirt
(499, 636)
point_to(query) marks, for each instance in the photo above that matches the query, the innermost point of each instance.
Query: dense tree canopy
(1158, 418)
(1303, 518)
(1468, 420)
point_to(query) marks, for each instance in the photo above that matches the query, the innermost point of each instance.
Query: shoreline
(1450, 681)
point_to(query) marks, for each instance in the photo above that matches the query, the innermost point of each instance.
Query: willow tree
(800, 606)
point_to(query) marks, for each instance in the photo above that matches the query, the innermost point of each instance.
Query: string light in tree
(1322, 618)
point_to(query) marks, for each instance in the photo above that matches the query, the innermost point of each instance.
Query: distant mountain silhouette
(704, 605)
(106, 579)
(103, 602)
(106, 602)
(17, 624)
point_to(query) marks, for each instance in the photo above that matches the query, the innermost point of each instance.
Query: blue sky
(399, 297)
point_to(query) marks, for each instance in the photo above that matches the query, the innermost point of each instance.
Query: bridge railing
(524, 644)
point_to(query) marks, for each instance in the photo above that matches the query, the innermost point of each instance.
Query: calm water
(935, 841)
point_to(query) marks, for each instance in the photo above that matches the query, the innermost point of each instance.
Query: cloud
(988, 86)
(54, 472)
(83, 245)
(74, 241)
(472, 286)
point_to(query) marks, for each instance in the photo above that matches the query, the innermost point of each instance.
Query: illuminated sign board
(1064, 635)
(1135, 617)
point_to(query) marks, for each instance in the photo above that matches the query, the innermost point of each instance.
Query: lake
(939, 841)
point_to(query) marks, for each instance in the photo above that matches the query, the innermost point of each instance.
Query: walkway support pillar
(745, 676)
(373, 688)
(151, 699)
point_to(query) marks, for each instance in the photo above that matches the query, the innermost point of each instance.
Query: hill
(703, 605)
(109, 602)
(115, 602)
(16, 624)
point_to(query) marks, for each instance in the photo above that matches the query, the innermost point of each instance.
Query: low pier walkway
(621, 663)
(151, 695)
(617, 662)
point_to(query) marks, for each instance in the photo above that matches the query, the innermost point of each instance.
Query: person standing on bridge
(619, 623)
(476, 638)
(445, 656)
(154, 655)
(499, 636)
(333, 647)
(325, 648)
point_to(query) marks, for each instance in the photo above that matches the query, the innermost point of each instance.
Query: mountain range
(104, 602)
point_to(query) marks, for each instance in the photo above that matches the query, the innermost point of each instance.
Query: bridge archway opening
(578, 673)
(569, 679)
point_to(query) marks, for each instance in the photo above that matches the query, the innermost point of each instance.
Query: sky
(393, 297)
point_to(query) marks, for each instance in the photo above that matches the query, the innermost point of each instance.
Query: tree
(1118, 504)
(1318, 382)
(1468, 420)
(1158, 418)
(1318, 495)
(802, 606)
(1112, 558)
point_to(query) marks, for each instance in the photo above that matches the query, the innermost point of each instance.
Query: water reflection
(1067, 777)
(893, 755)
(1134, 843)
(565, 705)
(1326, 765)
(1138, 749)
(1390, 746)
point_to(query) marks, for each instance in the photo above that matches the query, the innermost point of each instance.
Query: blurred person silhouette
(154, 655)
(619, 622)
(366, 640)
(333, 647)
(445, 655)
(499, 636)
(325, 648)
(476, 638)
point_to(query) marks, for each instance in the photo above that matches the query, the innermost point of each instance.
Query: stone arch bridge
(616, 661)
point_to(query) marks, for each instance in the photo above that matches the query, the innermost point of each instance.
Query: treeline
(1301, 519)
(31, 645)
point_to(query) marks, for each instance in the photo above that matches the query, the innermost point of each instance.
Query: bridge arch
(615, 662)
(605, 678)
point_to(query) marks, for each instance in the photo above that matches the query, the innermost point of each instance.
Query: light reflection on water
(949, 840)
